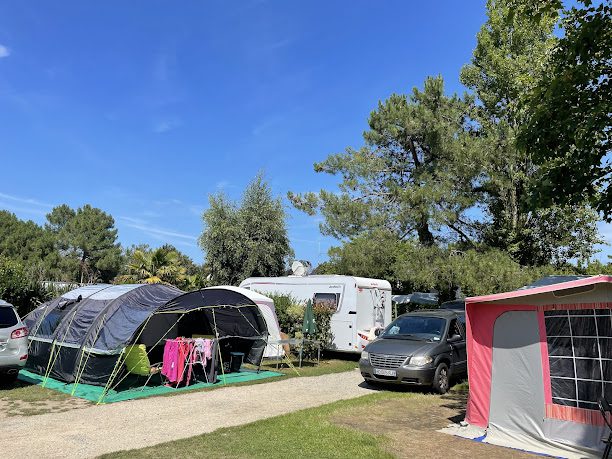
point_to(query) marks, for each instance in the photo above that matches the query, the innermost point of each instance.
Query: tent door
(517, 392)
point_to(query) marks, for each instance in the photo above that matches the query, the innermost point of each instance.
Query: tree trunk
(426, 238)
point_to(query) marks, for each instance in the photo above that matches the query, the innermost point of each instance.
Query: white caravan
(361, 305)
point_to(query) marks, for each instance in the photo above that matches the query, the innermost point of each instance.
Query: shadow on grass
(11, 385)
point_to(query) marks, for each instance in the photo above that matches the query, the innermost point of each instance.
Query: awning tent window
(580, 356)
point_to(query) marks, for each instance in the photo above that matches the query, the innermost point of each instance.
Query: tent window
(580, 356)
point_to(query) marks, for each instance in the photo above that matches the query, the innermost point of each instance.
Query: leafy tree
(162, 265)
(264, 232)
(508, 62)
(28, 243)
(246, 239)
(18, 288)
(568, 130)
(221, 240)
(371, 255)
(413, 177)
(474, 271)
(87, 240)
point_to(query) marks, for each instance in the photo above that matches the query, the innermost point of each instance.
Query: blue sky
(144, 108)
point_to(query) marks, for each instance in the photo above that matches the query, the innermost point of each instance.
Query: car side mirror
(454, 339)
(378, 331)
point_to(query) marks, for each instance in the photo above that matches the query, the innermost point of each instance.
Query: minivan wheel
(441, 379)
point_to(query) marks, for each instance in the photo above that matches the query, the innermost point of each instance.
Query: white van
(361, 305)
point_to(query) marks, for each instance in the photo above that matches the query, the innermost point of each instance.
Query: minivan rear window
(8, 317)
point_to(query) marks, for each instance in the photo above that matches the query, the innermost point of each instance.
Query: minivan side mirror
(454, 339)
(378, 331)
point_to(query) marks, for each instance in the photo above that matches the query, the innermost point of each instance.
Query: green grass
(309, 433)
(21, 399)
(462, 387)
(27, 393)
(306, 433)
(325, 367)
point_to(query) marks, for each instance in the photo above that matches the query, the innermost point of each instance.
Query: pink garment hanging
(180, 354)
(208, 345)
(170, 365)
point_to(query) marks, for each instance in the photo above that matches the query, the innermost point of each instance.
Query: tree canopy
(88, 239)
(569, 125)
(440, 194)
(163, 265)
(247, 238)
(414, 177)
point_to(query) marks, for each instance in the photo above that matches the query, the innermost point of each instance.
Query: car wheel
(441, 379)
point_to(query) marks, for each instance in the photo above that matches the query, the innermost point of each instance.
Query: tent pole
(80, 369)
(110, 378)
(53, 357)
(38, 324)
(159, 341)
(263, 353)
(113, 375)
(218, 346)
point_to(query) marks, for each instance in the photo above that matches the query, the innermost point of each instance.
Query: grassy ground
(386, 424)
(308, 433)
(21, 399)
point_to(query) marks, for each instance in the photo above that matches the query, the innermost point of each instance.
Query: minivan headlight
(420, 360)
(365, 355)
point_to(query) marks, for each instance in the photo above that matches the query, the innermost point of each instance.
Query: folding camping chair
(606, 412)
(137, 362)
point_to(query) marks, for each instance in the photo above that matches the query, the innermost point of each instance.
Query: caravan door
(372, 308)
(343, 330)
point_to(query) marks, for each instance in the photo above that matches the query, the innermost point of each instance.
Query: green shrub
(18, 288)
(290, 313)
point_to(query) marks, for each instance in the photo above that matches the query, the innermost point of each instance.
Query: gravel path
(95, 430)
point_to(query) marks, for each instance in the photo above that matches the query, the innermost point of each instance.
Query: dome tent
(80, 337)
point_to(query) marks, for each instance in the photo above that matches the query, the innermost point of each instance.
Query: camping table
(279, 343)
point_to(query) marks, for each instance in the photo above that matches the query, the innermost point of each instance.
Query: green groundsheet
(93, 393)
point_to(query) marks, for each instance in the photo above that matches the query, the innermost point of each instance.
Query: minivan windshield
(416, 327)
(8, 317)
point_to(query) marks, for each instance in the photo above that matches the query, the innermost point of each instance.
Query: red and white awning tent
(539, 358)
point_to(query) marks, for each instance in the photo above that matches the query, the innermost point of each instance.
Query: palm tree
(159, 266)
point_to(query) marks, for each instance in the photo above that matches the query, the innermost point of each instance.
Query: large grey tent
(80, 336)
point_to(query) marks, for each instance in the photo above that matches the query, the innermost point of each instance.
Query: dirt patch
(410, 423)
(27, 408)
(21, 399)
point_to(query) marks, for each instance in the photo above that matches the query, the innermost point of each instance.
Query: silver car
(13, 342)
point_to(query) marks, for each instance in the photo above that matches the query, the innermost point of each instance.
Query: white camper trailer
(360, 305)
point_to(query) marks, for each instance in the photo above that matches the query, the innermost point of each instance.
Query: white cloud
(4, 51)
(21, 205)
(166, 125)
(155, 231)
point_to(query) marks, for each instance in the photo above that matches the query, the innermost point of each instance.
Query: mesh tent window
(580, 356)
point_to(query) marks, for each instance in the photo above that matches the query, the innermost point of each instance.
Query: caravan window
(327, 300)
(580, 356)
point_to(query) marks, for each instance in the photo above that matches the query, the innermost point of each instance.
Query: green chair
(137, 362)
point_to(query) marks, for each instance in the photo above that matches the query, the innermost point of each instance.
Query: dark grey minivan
(424, 348)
